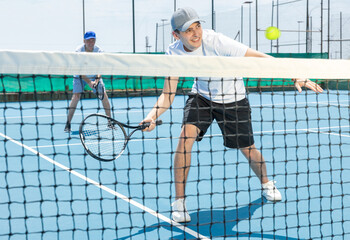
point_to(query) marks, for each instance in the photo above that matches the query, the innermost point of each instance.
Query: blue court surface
(51, 189)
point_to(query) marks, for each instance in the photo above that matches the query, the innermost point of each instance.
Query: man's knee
(188, 135)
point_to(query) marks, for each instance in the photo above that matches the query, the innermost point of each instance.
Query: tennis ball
(272, 33)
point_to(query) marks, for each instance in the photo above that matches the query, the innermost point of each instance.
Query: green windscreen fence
(300, 55)
(46, 83)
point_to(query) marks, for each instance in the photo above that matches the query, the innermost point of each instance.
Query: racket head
(100, 90)
(103, 138)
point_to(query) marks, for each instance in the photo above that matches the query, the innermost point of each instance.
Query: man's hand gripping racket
(104, 138)
(99, 88)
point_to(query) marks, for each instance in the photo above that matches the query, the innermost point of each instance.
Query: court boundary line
(299, 104)
(215, 135)
(102, 187)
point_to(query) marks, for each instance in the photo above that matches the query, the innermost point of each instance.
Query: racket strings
(104, 139)
(100, 90)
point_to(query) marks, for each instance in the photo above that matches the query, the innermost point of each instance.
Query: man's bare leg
(256, 162)
(182, 160)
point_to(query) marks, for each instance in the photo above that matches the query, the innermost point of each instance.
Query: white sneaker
(270, 192)
(179, 212)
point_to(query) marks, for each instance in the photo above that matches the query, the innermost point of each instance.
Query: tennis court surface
(50, 188)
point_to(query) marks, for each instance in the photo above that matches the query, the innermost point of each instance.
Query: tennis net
(50, 188)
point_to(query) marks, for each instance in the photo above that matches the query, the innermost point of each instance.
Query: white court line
(335, 134)
(301, 103)
(180, 109)
(78, 144)
(65, 115)
(121, 196)
(314, 130)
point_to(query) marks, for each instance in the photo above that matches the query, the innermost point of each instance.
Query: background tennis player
(79, 81)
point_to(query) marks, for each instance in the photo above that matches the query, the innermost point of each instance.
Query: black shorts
(234, 119)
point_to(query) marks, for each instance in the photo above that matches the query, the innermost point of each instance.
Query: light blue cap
(183, 18)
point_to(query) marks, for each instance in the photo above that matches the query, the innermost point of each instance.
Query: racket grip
(147, 124)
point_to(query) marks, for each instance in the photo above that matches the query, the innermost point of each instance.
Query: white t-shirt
(220, 90)
(81, 48)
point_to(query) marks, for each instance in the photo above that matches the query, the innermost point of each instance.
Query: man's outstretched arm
(298, 82)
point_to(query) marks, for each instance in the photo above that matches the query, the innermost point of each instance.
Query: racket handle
(147, 124)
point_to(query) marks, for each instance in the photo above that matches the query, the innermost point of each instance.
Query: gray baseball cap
(183, 18)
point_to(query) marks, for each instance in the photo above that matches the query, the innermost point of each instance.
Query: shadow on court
(214, 223)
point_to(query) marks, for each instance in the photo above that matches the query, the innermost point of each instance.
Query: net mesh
(51, 188)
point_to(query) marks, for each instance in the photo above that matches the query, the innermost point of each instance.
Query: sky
(57, 25)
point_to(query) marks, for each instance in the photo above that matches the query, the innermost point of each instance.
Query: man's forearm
(163, 104)
(253, 53)
(86, 79)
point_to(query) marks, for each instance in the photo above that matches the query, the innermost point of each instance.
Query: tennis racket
(100, 90)
(104, 138)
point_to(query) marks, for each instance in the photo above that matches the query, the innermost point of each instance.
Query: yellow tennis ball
(272, 33)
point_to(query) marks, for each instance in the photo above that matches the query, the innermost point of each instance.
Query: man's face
(191, 38)
(89, 44)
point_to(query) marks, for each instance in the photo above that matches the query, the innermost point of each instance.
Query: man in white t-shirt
(221, 99)
(79, 81)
